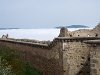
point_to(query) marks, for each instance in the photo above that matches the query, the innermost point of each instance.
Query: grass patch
(10, 58)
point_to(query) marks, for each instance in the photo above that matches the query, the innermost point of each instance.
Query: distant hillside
(7, 28)
(77, 26)
(74, 26)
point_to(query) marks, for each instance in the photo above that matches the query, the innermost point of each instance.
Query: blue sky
(48, 13)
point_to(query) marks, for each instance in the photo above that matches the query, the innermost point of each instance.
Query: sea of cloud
(36, 34)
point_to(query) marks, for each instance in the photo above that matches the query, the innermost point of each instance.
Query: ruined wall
(75, 55)
(95, 32)
(68, 54)
(64, 56)
(87, 32)
(41, 57)
(64, 32)
(95, 58)
(84, 33)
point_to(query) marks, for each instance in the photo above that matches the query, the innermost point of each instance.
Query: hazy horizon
(48, 13)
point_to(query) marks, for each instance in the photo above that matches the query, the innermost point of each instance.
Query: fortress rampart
(94, 56)
(66, 55)
(95, 32)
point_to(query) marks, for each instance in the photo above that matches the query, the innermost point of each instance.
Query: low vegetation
(12, 64)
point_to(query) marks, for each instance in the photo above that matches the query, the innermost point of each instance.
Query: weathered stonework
(94, 57)
(68, 54)
(95, 32)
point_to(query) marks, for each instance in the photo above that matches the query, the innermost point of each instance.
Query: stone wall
(94, 57)
(95, 32)
(41, 57)
(64, 56)
(76, 54)
(75, 57)
(69, 54)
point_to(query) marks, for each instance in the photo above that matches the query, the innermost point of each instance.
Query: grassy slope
(10, 57)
